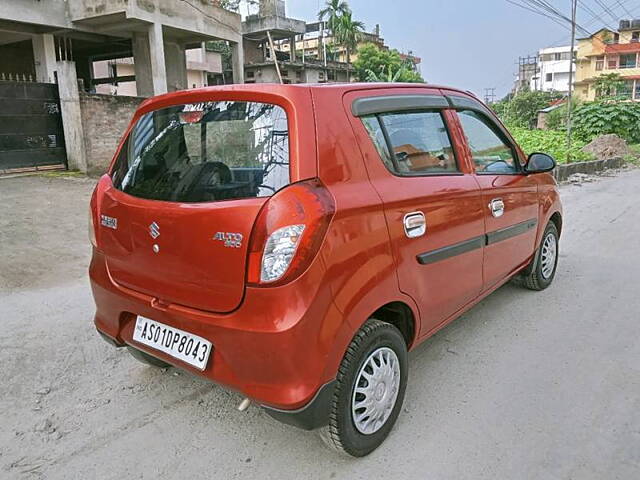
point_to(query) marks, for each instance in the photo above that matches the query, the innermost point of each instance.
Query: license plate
(179, 344)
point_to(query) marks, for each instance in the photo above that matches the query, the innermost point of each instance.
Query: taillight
(92, 229)
(288, 233)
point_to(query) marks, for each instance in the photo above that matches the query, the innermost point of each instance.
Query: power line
(624, 8)
(608, 10)
(538, 12)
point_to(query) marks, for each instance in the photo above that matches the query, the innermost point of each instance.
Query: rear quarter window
(206, 152)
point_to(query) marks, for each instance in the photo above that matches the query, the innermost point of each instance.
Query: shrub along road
(526, 385)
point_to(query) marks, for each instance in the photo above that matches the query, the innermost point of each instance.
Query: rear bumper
(277, 348)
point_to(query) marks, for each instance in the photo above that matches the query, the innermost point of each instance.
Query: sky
(470, 44)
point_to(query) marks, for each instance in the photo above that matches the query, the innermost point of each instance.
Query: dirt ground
(526, 385)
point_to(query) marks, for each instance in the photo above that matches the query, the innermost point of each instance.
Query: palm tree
(348, 34)
(333, 10)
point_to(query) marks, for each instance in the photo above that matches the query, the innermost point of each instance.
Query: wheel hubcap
(376, 390)
(549, 252)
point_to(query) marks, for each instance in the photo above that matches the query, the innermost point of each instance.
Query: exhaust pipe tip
(244, 404)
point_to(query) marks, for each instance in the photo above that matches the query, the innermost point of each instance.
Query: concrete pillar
(142, 65)
(71, 115)
(237, 62)
(157, 63)
(176, 66)
(44, 56)
(292, 48)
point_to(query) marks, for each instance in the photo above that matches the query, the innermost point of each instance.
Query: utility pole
(574, 8)
(489, 95)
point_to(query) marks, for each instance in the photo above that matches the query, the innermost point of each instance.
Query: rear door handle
(497, 207)
(415, 224)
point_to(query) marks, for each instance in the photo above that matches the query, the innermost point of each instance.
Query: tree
(608, 85)
(332, 12)
(522, 109)
(348, 33)
(377, 65)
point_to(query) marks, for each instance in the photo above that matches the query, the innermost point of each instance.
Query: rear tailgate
(175, 215)
(190, 254)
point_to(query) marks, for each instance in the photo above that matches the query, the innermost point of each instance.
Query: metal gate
(31, 135)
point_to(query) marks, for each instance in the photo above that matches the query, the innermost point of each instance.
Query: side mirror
(539, 163)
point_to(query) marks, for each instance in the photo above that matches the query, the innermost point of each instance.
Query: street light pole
(574, 8)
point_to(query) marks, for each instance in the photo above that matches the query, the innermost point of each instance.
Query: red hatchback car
(294, 242)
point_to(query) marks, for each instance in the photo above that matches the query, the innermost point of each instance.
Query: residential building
(553, 66)
(608, 51)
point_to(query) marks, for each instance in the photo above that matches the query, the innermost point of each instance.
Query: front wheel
(543, 270)
(369, 390)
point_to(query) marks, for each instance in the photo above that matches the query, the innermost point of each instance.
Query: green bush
(600, 118)
(552, 142)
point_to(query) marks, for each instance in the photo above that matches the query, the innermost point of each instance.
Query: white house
(553, 70)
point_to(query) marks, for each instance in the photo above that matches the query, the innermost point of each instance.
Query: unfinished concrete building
(47, 41)
(271, 51)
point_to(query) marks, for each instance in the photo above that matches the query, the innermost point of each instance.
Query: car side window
(415, 143)
(491, 155)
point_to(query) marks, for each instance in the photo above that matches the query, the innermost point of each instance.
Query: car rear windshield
(205, 152)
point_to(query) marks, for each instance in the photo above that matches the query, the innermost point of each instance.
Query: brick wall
(104, 120)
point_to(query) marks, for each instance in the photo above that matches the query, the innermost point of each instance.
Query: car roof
(282, 88)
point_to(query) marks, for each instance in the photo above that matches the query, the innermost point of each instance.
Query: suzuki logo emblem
(154, 230)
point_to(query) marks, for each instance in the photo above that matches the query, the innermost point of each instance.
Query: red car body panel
(279, 345)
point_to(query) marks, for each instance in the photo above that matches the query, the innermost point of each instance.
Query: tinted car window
(489, 152)
(418, 141)
(206, 152)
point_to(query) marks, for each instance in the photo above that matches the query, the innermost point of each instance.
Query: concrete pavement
(526, 385)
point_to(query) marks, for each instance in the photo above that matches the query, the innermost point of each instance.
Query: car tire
(146, 358)
(540, 275)
(377, 351)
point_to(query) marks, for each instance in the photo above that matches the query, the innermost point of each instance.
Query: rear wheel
(369, 390)
(543, 271)
(146, 358)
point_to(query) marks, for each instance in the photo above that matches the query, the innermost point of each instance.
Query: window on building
(491, 154)
(557, 56)
(635, 37)
(628, 60)
(616, 38)
(251, 74)
(637, 90)
(549, 77)
(599, 63)
(612, 63)
(418, 141)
